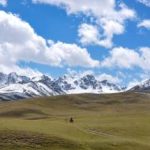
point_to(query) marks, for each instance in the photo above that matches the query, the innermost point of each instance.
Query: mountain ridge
(144, 86)
(14, 86)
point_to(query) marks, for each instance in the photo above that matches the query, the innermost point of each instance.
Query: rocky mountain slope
(14, 86)
(142, 87)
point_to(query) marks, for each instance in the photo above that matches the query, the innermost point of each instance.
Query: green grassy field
(101, 122)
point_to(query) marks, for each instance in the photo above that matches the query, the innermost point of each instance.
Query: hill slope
(107, 122)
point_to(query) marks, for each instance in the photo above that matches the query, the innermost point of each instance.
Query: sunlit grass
(101, 122)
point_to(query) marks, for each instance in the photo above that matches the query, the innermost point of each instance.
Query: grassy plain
(101, 122)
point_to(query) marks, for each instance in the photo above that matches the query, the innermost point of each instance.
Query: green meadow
(101, 122)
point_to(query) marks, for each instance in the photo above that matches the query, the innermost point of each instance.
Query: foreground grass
(102, 122)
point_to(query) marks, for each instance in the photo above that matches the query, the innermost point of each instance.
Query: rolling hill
(101, 122)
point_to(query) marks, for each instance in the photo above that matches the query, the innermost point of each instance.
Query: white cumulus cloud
(145, 2)
(88, 34)
(3, 2)
(144, 24)
(128, 58)
(108, 15)
(19, 42)
(122, 58)
(145, 58)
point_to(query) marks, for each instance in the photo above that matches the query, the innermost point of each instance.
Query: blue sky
(116, 45)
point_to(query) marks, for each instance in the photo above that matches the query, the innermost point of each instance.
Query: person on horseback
(71, 120)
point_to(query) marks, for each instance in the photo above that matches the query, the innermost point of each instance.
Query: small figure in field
(71, 120)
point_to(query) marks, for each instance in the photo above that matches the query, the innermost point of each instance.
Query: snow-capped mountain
(14, 86)
(85, 84)
(142, 87)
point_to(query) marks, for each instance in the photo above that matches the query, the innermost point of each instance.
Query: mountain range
(144, 86)
(14, 86)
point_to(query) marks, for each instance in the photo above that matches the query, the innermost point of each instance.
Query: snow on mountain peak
(14, 85)
(143, 86)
